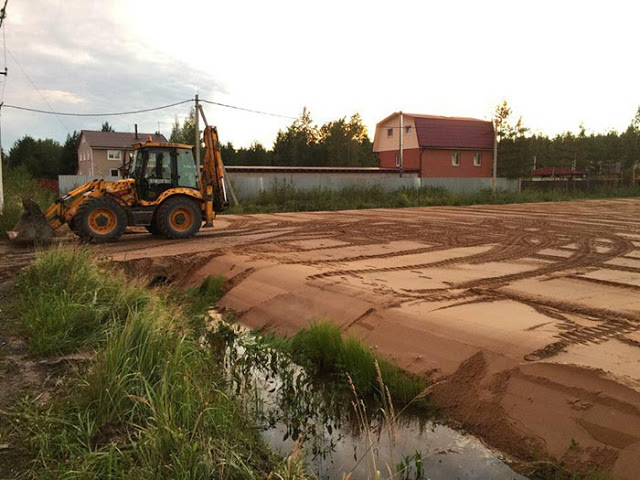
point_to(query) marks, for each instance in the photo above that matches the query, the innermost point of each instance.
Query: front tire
(179, 217)
(100, 220)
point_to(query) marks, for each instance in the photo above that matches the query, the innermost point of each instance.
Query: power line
(248, 110)
(38, 90)
(110, 114)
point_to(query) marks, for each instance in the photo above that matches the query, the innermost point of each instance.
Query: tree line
(345, 142)
(603, 155)
(44, 157)
(342, 142)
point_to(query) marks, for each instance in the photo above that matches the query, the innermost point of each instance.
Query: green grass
(17, 184)
(66, 301)
(285, 198)
(322, 349)
(153, 402)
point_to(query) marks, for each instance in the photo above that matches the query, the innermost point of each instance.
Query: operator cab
(158, 167)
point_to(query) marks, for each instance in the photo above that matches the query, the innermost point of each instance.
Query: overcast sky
(558, 63)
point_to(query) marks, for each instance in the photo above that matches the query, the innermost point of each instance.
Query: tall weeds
(284, 197)
(152, 403)
(66, 301)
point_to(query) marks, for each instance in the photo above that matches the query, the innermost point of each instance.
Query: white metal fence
(250, 184)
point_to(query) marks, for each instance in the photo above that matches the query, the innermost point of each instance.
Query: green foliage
(343, 142)
(601, 155)
(69, 155)
(106, 127)
(322, 349)
(152, 403)
(185, 133)
(204, 297)
(67, 301)
(18, 184)
(41, 157)
(338, 143)
(256, 154)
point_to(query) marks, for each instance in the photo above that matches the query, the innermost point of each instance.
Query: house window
(114, 155)
(398, 159)
(407, 130)
(455, 159)
(477, 159)
(114, 172)
(389, 132)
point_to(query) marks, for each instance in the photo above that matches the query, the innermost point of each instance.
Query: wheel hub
(180, 218)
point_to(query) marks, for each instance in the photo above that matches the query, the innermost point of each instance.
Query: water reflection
(339, 432)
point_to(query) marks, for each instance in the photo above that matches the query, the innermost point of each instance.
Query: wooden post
(495, 159)
(400, 144)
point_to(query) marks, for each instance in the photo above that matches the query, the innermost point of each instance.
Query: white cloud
(558, 63)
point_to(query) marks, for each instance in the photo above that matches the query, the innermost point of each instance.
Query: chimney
(136, 131)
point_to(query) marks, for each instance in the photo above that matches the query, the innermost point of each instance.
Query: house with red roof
(435, 146)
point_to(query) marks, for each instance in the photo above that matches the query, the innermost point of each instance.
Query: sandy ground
(527, 317)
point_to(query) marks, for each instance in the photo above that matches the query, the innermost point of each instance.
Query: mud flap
(32, 227)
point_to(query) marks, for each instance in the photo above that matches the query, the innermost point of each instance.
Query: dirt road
(527, 317)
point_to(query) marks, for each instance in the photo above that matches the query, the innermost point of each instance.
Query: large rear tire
(178, 217)
(100, 220)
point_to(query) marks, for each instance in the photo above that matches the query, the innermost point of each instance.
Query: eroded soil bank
(526, 317)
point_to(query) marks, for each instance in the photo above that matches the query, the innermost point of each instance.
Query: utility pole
(401, 152)
(3, 14)
(495, 158)
(197, 128)
(1, 181)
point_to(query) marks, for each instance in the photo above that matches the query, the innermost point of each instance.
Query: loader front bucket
(32, 227)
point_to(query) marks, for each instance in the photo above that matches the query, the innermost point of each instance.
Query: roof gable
(118, 140)
(454, 132)
(435, 131)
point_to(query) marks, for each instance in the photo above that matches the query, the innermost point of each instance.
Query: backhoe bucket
(32, 227)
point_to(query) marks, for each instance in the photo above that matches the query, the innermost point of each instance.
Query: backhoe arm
(212, 177)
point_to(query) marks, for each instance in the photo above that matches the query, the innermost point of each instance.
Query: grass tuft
(322, 349)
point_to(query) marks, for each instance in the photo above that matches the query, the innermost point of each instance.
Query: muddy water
(319, 418)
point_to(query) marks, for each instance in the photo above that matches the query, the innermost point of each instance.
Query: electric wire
(247, 109)
(37, 90)
(109, 114)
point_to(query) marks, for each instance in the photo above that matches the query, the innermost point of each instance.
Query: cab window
(158, 167)
(186, 166)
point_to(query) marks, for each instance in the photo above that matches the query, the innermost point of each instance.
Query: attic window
(407, 130)
(113, 155)
(389, 132)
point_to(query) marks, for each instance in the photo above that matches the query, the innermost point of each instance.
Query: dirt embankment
(526, 317)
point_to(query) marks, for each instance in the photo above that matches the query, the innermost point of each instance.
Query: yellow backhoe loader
(161, 190)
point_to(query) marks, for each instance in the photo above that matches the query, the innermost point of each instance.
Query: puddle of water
(293, 410)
